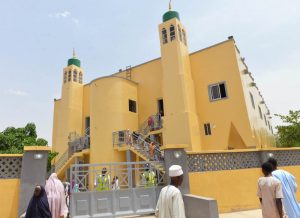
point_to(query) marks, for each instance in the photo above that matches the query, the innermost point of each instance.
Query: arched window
(80, 77)
(75, 76)
(184, 37)
(179, 33)
(164, 36)
(65, 77)
(69, 76)
(172, 32)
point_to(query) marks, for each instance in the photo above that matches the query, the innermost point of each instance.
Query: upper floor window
(75, 76)
(179, 33)
(80, 78)
(265, 120)
(217, 91)
(164, 36)
(69, 76)
(172, 32)
(183, 36)
(252, 100)
(65, 77)
(132, 106)
(260, 113)
(207, 129)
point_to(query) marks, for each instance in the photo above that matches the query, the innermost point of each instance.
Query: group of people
(277, 192)
(48, 202)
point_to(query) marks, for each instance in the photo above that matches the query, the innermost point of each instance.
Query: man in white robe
(170, 203)
(289, 188)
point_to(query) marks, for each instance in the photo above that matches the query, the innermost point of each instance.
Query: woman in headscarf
(56, 197)
(38, 206)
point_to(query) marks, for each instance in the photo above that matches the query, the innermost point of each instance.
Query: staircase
(153, 123)
(138, 145)
(77, 147)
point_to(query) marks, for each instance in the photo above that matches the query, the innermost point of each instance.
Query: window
(260, 113)
(252, 100)
(172, 32)
(179, 33)
(65, 77)
(132, 106)
(160, 104)
(207, 129)
(69, 76)
(164, 36)
(80, 77)
(265, 120)
(183, 37)
(75, 76)
(217, 91)
(87, 125)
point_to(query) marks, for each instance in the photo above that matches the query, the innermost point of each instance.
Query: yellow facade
(185, 82)
(9, 200)
(235, 190)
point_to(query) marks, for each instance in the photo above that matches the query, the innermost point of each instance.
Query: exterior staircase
(78, 147)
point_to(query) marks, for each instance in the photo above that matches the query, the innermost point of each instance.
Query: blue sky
(37, 38)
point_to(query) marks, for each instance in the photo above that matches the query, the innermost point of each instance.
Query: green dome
(74, 61)
(170, 15)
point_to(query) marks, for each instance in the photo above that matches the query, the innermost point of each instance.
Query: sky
(37, 38)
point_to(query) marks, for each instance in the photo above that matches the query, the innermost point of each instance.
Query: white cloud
(64, 15)
(16, 92)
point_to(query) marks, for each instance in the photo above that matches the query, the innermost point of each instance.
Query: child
(270, 193)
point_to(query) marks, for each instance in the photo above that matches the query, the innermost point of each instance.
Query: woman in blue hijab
(38, 206)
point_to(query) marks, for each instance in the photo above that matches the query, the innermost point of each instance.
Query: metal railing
(137, 143)
(123, 175)
(153, 123)
(76, 144)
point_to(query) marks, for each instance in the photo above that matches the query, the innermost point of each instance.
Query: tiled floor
(241, 214)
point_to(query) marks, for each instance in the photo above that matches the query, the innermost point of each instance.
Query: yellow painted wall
(9, 200)
(234, 190)
(261, 132)
(109, 112)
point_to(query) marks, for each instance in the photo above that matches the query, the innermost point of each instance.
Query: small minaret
(70, 106)
(181, 125)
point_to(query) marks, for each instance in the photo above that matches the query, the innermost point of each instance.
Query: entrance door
(160, 104)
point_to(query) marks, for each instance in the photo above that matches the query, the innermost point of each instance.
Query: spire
(170, 14)
(74, 54)
(170, 5)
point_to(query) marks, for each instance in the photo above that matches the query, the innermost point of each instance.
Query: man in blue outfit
(289, 188)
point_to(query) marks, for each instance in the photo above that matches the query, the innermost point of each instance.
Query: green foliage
(289, 134)
(51, 155)
(13, 140)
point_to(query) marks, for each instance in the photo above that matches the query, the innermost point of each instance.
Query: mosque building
(202, 101)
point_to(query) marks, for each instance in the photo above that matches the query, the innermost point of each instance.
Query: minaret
(70, 106)
(181, 126)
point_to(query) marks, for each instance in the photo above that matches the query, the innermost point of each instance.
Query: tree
(13, 140)
(289, 134)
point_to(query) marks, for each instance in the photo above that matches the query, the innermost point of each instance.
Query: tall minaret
(68, 111)
(181, 126)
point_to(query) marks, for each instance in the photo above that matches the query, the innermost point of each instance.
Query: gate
(129, 188)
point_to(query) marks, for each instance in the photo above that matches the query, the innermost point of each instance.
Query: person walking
(115, 183)
(56, 197)
(170, 203)
(289, 189)
(38, 206)
(270, 193)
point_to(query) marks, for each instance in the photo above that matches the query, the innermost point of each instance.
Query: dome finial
(74, 54)
(170, 5)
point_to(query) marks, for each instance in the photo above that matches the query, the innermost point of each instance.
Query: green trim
(74, 61)
(170, 15)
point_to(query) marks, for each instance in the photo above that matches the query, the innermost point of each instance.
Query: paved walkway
(241, 214)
